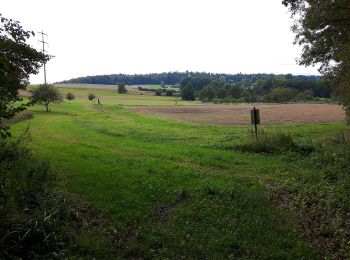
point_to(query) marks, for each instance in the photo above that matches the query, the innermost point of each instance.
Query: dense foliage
(187, 92)
(229, 87)
(322, 27)
(23, 180)
(269, 88)
(17, 61)
(174, 78)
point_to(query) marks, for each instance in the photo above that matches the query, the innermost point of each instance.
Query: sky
(89, 37)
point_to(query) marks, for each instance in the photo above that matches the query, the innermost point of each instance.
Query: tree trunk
(47, 106)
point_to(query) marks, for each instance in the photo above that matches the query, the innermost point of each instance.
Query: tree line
(266, 88)
(175, 78)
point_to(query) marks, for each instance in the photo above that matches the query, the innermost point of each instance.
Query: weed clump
(277, 142)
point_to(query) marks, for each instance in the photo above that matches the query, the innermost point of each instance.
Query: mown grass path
(169, 189)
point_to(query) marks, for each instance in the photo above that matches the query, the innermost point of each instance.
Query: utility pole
(43, 42)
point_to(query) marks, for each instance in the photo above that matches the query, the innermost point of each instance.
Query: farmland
(272, 114)
(168, 188)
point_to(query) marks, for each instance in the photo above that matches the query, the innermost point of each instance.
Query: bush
(122, 89)
(91, 97)
(158, 92)
(22, 176)
(169, 93)
(347, 114)
(70, 96)
(33, 220)
(24, 179)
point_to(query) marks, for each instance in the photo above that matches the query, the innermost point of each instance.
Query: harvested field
(271, 114)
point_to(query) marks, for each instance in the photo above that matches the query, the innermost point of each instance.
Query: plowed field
(270, 114)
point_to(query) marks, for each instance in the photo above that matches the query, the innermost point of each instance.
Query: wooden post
(255, 119)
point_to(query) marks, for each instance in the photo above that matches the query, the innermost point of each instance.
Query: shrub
(347, 114)
(158, 92)
(122, 89)
(169, 93)
(22, 175)
(31, 219)
(70, 96)
(91, 97)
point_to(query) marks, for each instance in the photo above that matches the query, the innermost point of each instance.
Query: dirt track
(271, 114)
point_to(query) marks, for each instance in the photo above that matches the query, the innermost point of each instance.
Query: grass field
(132, 88)
(170, 189)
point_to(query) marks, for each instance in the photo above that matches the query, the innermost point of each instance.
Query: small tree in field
(91, 97)
(70, 96)
(122, 89)
(46, 94)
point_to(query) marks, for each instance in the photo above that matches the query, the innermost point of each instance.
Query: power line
(43, 50)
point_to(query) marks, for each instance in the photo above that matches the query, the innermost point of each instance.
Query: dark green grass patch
(273, 142)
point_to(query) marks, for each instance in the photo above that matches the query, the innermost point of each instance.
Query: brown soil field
(270, 114)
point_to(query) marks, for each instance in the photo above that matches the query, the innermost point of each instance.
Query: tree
(221, 93)
(91, 97)
(17, 61)
(46, 94)
(235, 91)
(121, 89)
(187, 93)
(207, 93)
(282, 94)
(322, 27)
(70, 96)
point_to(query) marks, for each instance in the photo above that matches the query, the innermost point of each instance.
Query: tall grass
(24, 181)
(273, 142)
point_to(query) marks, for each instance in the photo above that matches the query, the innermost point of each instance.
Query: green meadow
(169, 189)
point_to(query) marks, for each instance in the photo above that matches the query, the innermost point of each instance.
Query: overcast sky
(138, 36)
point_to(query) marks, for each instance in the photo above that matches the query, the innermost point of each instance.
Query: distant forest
(226, 87)
(174, 78)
